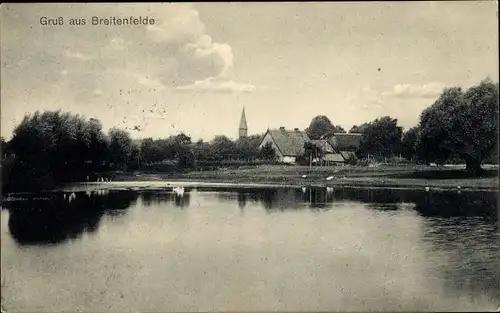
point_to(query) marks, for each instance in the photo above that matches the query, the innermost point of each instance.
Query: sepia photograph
(250, 157)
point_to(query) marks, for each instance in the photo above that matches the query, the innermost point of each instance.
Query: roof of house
(343, 141)
(289, 142)
(319, 142)
(348, 154)
(333, 157)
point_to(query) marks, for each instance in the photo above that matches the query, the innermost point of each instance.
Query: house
(345, 141)
(345, 144)
(287, 144)
(330, 155)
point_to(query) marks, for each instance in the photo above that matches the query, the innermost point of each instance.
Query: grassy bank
(390, 176)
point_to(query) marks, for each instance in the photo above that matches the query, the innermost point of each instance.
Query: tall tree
(120, 147)
(54, 146)
(381, 138)
(267, 152)
(248, 147)
(463, 124)
(358, 129)
(222, 147)
(3, 146)
(408, 145)
(321, 126)
(311, 152)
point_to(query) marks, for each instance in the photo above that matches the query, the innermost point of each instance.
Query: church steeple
(243, 130)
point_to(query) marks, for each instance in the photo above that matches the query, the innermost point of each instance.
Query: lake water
(260, 249)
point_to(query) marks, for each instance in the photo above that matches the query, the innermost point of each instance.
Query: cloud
(213, 86)
(201, 60)
(430, 90)
(175, 51)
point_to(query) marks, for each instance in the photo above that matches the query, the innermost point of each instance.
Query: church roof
(243, 121)
(289, 142)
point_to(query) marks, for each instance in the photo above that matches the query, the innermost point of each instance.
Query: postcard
(249, 157)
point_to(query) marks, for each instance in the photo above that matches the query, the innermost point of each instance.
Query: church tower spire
(243, 130)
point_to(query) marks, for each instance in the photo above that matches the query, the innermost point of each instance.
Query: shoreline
(152, 182)
(167, 185)
(283, 177)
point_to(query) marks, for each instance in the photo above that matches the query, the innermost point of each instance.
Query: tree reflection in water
(450, 203)
(156, 197)
(57, 217)
(457, 231)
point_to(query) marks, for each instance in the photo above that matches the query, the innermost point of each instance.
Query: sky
(199, 64)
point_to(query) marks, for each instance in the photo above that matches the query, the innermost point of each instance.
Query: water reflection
(54, 218)
(150, 198)
(444, 204)
(470, 247)
(453, 204)
(315, 248)
(242, 200)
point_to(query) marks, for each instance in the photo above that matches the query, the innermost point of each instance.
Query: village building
(346, 144)
(329, 155)
(288, 145)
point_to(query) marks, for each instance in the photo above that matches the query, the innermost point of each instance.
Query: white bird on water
(329, 178)
(178, 190)
(71, 197)
(304, 176)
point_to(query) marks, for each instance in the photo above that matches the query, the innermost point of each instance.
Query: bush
(351, 160)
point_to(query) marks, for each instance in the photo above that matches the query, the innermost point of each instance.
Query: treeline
(460, 126)
(54, 147)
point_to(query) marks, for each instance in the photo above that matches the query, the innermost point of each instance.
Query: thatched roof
(343, 141)
(333, 157)
(348, 154)
(289, 142)
(319, 142)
